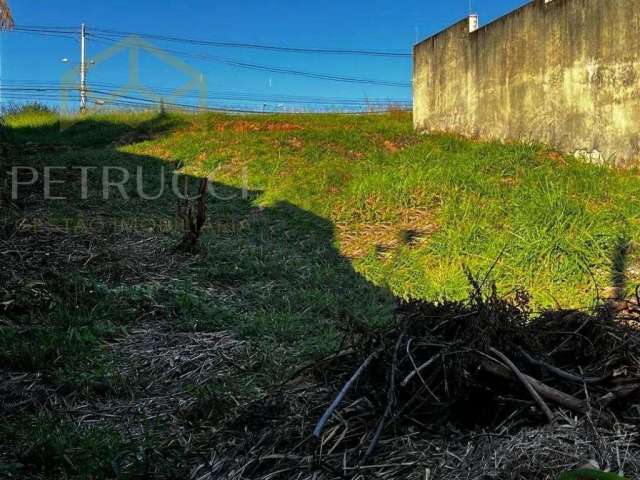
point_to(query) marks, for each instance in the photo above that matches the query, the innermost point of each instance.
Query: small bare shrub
(193, 214)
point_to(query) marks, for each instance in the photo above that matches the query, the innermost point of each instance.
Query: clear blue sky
(347, 24)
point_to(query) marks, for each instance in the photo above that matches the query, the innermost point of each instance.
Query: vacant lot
(110, 337)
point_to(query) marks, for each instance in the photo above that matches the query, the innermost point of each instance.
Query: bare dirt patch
(399, 143)
(244, 126)
(391, 146)
(554, 157)
(283, 127)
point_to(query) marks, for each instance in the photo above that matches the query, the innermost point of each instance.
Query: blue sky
(355, 24)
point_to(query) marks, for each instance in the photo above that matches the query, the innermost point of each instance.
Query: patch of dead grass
(35, 252)
(413, 226)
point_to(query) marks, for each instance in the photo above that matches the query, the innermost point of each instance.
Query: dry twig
(317, 432)
(525, 381)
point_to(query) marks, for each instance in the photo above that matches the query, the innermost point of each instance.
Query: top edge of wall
(453, 26)
(517, 11)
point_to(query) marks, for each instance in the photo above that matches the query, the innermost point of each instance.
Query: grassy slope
(409, 211)
(272, 273)
(552, 223)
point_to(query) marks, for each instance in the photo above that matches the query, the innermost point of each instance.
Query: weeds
(56, 448)
(63, 333)
(99, 314)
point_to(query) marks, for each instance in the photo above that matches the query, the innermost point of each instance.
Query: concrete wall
(565, 73)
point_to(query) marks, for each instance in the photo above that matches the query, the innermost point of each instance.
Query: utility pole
(83, 70)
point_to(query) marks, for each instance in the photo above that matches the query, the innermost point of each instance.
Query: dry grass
(413, 226)
(158, 387)
(463, 425)
(529, 453)
(245, 126)
(34, 250)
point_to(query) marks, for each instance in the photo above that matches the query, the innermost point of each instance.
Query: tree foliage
(6, 20)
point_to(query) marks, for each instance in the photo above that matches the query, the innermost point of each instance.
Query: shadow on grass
(269, 273)
(48, 129)
(83, 270)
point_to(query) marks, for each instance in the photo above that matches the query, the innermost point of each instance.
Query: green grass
(536, 220)
(272, 274)
(323, 221)
(550, 223)
(67, 329)
(54, 448)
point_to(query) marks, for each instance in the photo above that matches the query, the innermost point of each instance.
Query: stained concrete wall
(565, 73)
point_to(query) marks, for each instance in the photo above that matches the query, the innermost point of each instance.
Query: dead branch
(561, 373)
(547, 392)
(418, 370)
(525, 381)
(391, 402)
(618, 393)
(550, 393)
(317, 432)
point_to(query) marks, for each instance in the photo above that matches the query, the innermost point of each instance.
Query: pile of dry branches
(461, 390)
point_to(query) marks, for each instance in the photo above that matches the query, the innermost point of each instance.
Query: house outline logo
(134, 89)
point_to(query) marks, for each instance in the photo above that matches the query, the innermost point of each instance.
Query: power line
(67, 33)
(111, 92)
(142, 103)
(73, 28)
(46, 34)
(12, 87)
(266, 68)
(105, 94)
(219, 44)
(279, 48)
